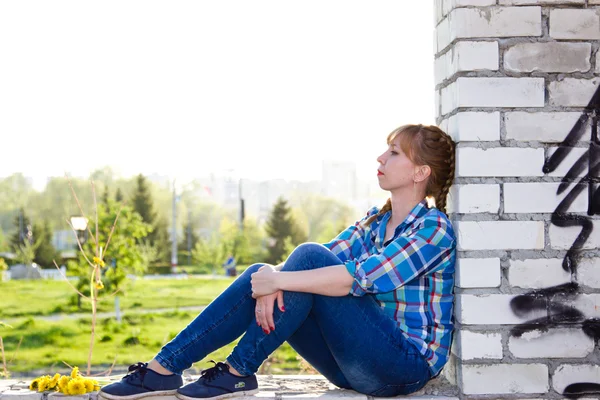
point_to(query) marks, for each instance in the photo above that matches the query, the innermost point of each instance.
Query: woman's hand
(264, 310)
(264, 281)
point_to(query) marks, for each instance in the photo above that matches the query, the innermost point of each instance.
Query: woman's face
(395, 170)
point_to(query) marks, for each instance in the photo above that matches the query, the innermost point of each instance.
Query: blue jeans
(348, 339)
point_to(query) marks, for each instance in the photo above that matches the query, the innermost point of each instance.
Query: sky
(257, 89)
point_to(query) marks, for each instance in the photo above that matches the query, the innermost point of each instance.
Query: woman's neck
(402, 205)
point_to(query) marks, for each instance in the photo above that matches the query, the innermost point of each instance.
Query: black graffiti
(553, 301)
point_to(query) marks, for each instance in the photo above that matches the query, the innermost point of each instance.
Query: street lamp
(79, 225)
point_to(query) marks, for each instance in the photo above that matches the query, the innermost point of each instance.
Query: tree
(119, 195)
(45, 253)
(209, 253)
(158, 235)
(3, 241)
(281, 225)
(123, 256)
(23, 233)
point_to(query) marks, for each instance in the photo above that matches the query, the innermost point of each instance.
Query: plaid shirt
(411, 276)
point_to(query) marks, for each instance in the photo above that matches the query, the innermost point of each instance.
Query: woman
(371, 310)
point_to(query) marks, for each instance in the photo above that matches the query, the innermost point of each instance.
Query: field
(152, 318)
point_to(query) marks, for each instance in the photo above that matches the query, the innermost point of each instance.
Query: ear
(422, 172)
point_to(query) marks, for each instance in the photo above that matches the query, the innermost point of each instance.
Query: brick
(587, 304)
(567, 374)
(504, 378)
(474, 198)
(498, 92)
(562, 238)
(20, 394)
(474, 126)
(539, 198)
(500, 235)
(496, 22)
(574, 154)
(545, 127)
(473, 345)
(449, 100)
(528, 2)
(500, 161)
(548, 57)
(440, 68)
(588, 272)
(474, 56)
(582, 24)
(572, 92)
(537, 273)
(442, 34)
(60, 396)
(554, 343)
(438, 11)
(479, 3)
(478, 272)
(492, 309)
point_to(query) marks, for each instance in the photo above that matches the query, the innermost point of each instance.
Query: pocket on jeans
(397, 390)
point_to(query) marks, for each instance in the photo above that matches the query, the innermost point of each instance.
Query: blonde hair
(427, 145)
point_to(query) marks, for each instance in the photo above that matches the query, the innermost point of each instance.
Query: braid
(386, 207)
(441, 197)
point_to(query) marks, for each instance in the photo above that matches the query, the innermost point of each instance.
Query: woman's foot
(219, 382)
(141, 382)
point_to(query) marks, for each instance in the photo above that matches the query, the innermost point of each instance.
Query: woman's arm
(328, 281)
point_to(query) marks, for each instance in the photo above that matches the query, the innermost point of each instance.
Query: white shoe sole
(158, 395)
(222, 396)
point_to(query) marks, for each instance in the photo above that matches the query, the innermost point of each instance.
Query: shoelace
(137, 369)
(211, 373)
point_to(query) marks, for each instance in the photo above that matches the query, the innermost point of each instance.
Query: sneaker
(218, 383)
(142, 382)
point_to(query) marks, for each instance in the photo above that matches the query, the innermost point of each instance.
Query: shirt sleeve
(341, 245)
(404, 259)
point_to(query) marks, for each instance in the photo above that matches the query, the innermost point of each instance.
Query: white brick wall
(555, 343)
(501, 161)
(474, 198)
(526, 2)
(575, 24)
(474, 126)
(493, 92)
(473, 345)
(588, 272)
(567, 374)
(548, 57)
(588, 304)
(491, 309)
(478, 272)
(500, 235)
(539, 198)
(572, 92)
(546, 127)
(498, 379)
(496, 22)
(537, 273)
(562, 238)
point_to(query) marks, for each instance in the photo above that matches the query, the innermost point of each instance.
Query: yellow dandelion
(89, 385)
(76, 386)
(53, 381)
(99, 262)
(34, 384)
(43, 384)
(96, 388)
(75, 372)
(63, 384)
(99, 285)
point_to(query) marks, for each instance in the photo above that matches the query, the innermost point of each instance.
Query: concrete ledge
(278, 387)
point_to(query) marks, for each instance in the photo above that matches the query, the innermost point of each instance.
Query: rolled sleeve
(401, 261)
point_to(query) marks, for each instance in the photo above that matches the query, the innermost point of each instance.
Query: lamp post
(79, 224)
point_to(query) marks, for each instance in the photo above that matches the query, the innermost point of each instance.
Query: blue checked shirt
(411, 276)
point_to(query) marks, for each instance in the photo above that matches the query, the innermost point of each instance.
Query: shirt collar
(417, 212)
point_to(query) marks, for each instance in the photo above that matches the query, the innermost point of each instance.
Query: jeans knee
(308, 256)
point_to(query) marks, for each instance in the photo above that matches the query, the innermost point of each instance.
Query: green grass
(46, 344)
(42, 297)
